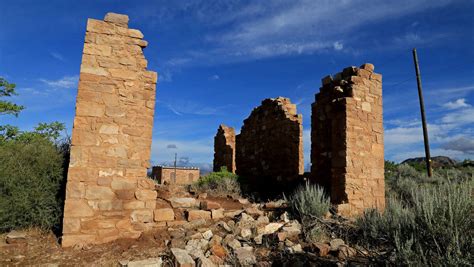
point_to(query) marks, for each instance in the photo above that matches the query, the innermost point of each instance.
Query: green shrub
(433, 228)
(222, 183)
(310, 203)
(31, 176)
(309, 200)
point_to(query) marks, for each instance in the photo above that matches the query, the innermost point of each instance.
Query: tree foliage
(7, 90)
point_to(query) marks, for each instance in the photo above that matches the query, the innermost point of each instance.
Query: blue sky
(218, 59)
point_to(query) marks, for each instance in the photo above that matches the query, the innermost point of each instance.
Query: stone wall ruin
(107, 194)
(269, 148)
(347, 153)
(224, 149)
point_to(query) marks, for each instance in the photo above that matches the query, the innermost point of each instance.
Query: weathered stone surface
(210, 205)
(347, 155)
(106, 162)
(224, 149)
(198, 214)
(179, 175)
(15, 237)
(184, 202)
(246, 256)
(269, 148)
(335, 244)
(181, 258)
(162, 215)
(118, 19)
(321, 249)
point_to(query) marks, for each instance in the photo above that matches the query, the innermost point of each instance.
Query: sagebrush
(222, 183)
(427, 221)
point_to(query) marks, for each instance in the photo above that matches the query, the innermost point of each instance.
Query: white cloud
(57, 56)
(460, 116)
(338, 46)
(66, 82)
(459, 103)
(462, 144)
(214, 77)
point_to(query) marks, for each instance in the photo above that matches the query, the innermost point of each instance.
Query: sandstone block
(77, 208)
(145, 194)
(71, 240)
(210, 205)
(118, 19)
(184, 202)
(135, 33)
(162, 215)
(181, 258)
(134, 205)
(98, 26)
(143, 216)
(99, 192)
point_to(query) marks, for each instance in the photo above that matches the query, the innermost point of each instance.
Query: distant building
(172, 175)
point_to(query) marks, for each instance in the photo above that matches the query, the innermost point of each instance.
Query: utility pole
(175, 159)
(423, 118)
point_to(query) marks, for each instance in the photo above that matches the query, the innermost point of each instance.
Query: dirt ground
(43, 249)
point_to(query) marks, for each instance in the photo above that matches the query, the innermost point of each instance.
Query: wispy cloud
(66, 82)
(214, 77)
(182, 107)
(246, 31)
(459, 103)
(57, 56)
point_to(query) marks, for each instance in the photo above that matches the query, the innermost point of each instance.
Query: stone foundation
(347, 152)
(224, 149)
(269, 148)
(107, 193)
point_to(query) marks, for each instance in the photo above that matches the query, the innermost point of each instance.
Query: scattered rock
(295, 249)
(16, 237)
(194, 224)
(275, 204)
(181, 258)
(207, 235)
(245, 233)
(202, 196)
(321, 249)
(346, 252)
(254, 211)
(263, 220)
(233, 214)
(152, 262)
(284, 217)
(245, 256)
(216, 260)
(218, 251)
(335, 243)
(204, 262)
(270, 228)
(198, 214)
(215, 240)
(234, 244)
(217, 214)
(225, 226)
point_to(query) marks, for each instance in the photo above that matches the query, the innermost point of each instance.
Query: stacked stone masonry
(107, 194)
(347, 152)
(224, 149)
(269, 148)
(172, 175)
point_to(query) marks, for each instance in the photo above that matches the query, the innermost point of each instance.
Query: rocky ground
(259, 235)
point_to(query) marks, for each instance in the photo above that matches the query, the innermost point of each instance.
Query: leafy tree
(6, 107)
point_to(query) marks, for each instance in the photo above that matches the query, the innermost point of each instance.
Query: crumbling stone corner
(224, 148)
(107, 193)
(347, 152)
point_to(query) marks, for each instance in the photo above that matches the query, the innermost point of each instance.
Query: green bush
(31, 176)
(222, 183)
(309, 200)
(433, 228)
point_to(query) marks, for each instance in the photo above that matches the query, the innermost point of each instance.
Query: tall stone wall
(347, 152)
(224, 148)
(269, 148)
(107, 194)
